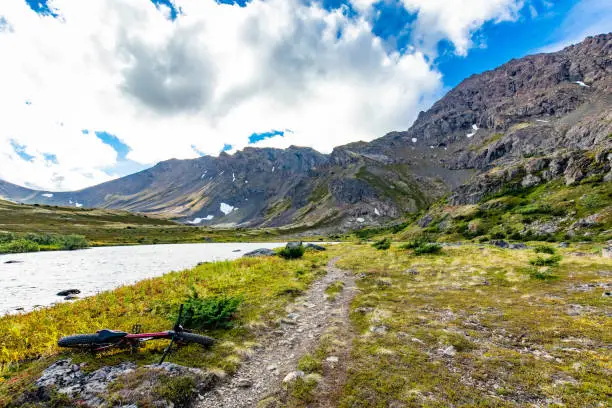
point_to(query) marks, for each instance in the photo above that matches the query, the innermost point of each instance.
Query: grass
(468, 329)
(111, 227)
(333, 290)
(266, 285)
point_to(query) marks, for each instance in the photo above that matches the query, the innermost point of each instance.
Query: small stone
(68, 292)
(13, 262)
(244, 383)
(563, 245)
(379, 329)
(272, 367)
(71, 297)
(415, 340)
(293, 316)
(607, 294)
(292, 376)
(332, 359)
(412, 272)
(449, 351)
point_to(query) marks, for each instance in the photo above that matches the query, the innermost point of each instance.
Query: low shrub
(211, 312)
(544, 274)
(382, 244)
(427, 248)
(6, 237)
(72, 242)
(294, 252)
(543, 249)
(18, 246)
(550, 261)
(309, 364)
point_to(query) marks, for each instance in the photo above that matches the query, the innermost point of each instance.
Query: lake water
(38, 277)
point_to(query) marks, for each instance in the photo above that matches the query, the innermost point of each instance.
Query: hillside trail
(308, 317)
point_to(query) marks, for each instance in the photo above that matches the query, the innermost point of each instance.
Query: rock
(293, 316)
(13, 262)
(260, 252)
(332, 359)
(244, 383)
(292, 376)
(237, 250)
(518, 245)
(449, 351)
(412, 271)
(587, 222)
(68, 292)
(606, 252)
(563, 245)
(499, 243)
(607, 294)
(364, 310)
(530, 180)
(425, 221)
(71, 297)
(315, 247)
(379, 329)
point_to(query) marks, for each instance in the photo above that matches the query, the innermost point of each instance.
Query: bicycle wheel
(81, 341)
(194, 338)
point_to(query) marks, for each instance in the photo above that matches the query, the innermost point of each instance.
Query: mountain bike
(107, 339)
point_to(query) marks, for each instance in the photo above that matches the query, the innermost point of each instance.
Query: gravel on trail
(277, 357)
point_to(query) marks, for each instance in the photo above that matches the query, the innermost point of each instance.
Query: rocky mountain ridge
(530, 121)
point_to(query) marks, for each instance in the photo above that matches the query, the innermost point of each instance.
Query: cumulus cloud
(212, 76)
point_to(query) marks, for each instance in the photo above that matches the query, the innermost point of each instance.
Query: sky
(94, 90)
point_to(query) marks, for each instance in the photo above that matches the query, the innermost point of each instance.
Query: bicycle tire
(81, 341)
(195, 338)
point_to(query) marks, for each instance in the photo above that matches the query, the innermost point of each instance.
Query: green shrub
(427, 248)
(6, 237)
(382, 244)
(550, 261)
(543, 249)
(414, 243)
(294, 252)
(72, 242)
(43, 239)
(309, 364)
(546, 274)
(209, 313)
(18, 246)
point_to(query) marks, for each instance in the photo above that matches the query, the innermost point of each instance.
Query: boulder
(606, 252)
(260, 252)
(68, 292)
(425, 221)
(315, 247)
(563, 245)
(13, 262)
(518, 245)
(499, 243)
(292, 376)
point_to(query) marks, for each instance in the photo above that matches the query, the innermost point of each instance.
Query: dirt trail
(307, 319)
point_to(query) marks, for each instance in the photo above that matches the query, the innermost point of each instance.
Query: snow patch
(226, 208)
(77, 204)
(360, 219)
(414, 140)
(48, 195)
(376, 211)
(204, 174)
(70, 202)
(199, 220)
(582, 84)
(233, 177)
(475, 128)
(431, 146)
(273, 167)
(542, 120)
(246, 181)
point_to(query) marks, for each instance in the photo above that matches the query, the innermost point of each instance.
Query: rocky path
(278, 356)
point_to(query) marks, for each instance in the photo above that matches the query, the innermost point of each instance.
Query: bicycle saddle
(109, 335)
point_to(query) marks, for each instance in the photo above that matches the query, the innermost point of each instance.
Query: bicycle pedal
(136, 329)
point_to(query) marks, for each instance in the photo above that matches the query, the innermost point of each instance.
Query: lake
(37, 278)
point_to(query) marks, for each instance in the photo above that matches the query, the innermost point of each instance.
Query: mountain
(530, 121)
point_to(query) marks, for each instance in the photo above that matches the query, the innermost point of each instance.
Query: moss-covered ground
(472, 326)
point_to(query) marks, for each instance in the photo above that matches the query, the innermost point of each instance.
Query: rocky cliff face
(530, 121)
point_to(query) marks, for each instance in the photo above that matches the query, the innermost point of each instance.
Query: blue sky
(128, 84)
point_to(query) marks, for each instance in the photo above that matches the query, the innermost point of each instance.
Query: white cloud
(457, 20)
(212, 77)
